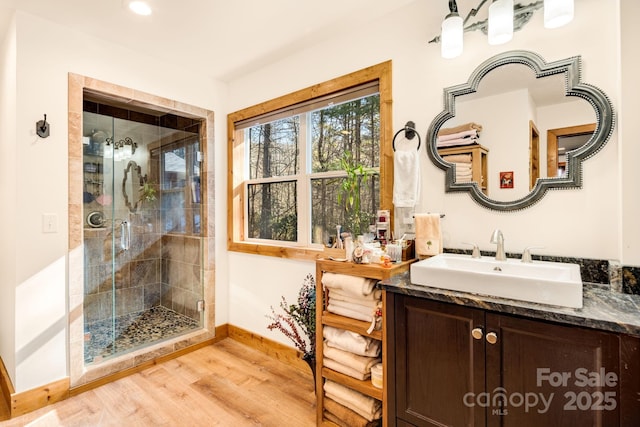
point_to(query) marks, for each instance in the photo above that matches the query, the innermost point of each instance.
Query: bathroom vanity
(455, 358)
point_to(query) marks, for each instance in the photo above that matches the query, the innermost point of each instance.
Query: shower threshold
(133, 331)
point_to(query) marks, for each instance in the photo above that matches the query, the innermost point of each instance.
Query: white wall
(505, 122)
(8, 196)
(582, 223)
(47, 52)
(628, 130)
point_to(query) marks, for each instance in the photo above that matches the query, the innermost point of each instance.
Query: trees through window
(302, 170)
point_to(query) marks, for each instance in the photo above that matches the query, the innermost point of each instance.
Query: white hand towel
(428, 234)
(406, 178)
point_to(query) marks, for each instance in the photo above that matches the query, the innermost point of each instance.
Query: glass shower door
(143, 243)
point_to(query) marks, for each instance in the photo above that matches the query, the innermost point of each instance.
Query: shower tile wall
(144, 273)
(136, 284)
(181, 266)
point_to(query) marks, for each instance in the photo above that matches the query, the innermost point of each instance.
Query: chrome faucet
(498, 239)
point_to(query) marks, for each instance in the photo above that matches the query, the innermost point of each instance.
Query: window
(291, 156)
(176, 166)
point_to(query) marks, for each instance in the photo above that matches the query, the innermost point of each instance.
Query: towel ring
(409, 133)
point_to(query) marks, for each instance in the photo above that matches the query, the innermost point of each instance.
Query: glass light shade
(451, 43)
(557, 13)
(140, 7)
(108, 151)
(500, 21)
(127, 152)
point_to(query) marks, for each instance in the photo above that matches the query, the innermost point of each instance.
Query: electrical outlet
(49, 223)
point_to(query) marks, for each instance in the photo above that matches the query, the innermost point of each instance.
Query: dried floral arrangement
(298, 323)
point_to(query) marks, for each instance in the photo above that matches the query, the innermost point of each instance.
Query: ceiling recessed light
(140, 7)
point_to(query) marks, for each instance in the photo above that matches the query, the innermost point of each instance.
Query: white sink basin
(542, 282)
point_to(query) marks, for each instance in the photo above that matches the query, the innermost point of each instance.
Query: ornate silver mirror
(510, 122)
(132, 185)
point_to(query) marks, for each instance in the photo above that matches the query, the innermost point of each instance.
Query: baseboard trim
(5, 384)
(222, 332)
(31, 400)
(284, 353)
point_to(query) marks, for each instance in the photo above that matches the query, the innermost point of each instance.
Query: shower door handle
(125, 235)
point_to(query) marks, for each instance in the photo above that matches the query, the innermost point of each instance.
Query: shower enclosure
(143, 267)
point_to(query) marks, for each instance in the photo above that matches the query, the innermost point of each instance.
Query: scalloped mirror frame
(571, 67)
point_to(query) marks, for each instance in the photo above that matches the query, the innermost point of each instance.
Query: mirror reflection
(505, 126)
(518, 127)
(132, 185)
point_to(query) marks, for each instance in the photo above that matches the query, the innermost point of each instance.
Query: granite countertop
(602, 308)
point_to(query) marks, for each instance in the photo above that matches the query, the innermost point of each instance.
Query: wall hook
(409, 130)
(43, 128)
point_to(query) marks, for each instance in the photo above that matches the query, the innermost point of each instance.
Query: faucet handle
(475, 253)
(526, 254)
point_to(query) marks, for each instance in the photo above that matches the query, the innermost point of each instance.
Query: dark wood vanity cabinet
(451, 365)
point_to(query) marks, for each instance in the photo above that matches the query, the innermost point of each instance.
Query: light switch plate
(49, 223)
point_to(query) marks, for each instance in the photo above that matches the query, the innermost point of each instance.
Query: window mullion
(304, 185)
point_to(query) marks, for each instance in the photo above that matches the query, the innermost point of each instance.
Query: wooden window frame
(236, 203)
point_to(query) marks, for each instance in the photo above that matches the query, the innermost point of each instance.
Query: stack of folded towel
(362, 409)
(352, 296)
(345, 362)
(462, 163)
(351, 342)
(348, 352)
(465, 134)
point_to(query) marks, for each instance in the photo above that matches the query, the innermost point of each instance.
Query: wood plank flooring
(225, 384)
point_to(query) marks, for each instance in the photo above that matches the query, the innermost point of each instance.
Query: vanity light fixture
(500, 21)
(451, 35)
(505, 17)
(122, 150)
(139, 7)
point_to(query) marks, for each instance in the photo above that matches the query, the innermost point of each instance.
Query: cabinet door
(550, 375)
(437, 363)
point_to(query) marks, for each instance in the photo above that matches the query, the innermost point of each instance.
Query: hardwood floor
(225, 384)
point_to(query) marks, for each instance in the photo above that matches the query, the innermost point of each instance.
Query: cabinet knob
(492, 338)
(477, 333)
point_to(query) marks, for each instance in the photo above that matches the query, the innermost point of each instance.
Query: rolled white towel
(372, 298)
(456, 142)
(470, 133)
(458, 158)
(351, 341)
(351, 285)
(343, 369)
(358, 363)
(336, 308)
(366, 406)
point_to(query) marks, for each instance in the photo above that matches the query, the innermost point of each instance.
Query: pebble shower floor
(133, 331)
